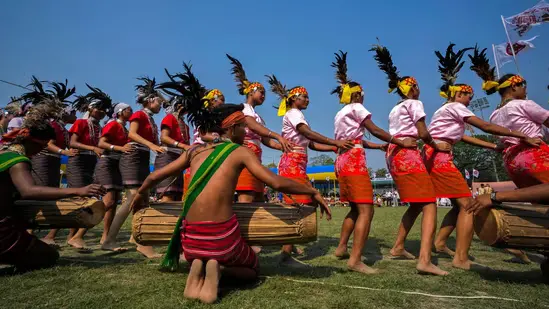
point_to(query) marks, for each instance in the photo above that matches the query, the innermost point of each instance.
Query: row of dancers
(118, 157)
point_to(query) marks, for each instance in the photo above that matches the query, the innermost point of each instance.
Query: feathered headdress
(146, 90)
(346, 87)
(61, 91)
(449, 66)
(280, 90)
(481, 66)
(245, 87)
(36, 95)
(96, 98)
(385, 63)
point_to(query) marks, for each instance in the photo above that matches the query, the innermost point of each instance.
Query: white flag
(504, 54)
(534, 16)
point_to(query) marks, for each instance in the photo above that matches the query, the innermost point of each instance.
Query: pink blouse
(449, 122)
(291, 120)
(250, 111)
(520, 115)
(196, 137)
(348, 122)
(403, 118)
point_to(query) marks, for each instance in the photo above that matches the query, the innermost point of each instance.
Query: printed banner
(504, 54)
(534, 16)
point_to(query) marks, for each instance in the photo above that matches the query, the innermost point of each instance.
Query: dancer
(114, 142)
(216, 167)
(351, 170)
(17, 247)
(134, 165)
(525, 164)
(407, 121)
(448, 127)
(174, 135)
(296, 129)
(249, 189)
(85, 135)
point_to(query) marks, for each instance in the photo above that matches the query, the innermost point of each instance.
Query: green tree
(370, 171)
(487, 162)
(321, 160)
(380, 173)
(270, 165)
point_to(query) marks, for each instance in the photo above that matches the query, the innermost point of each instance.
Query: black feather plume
(277, 87)
(481, 65)
(239, 74)
(450, 64)
(385, 62)
(341, 71)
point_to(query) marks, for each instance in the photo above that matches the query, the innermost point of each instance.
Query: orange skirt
(527, 166)
(413, 183)
(293, 165)
(246, 181)
(354, 180)
(446, 178)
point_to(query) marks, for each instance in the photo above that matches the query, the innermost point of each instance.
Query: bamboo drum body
(521, 226)
(260, 223)
(64, 213)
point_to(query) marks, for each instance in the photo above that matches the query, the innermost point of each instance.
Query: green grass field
(103, 280)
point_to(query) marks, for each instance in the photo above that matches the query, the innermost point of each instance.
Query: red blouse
(85, 135)
(179, 131)
(146, 130)
(116, 133)
(61, 135)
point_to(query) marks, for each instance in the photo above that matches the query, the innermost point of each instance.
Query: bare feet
(444, 249)
(112, 246)
(430, 269)
(148, 252)
(341, 253)
(50, 241)
(401, 254)
(465, 265)
(195, 280)
(208, 293)
(361, 268)
(77, 243)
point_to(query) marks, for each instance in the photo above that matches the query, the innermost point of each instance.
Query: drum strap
(198, 183)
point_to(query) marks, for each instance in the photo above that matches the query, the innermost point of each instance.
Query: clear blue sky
(109, 43)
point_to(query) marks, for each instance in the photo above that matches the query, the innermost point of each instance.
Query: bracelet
(269, 135)
(111, 148)
(60, 151)
(175, 144)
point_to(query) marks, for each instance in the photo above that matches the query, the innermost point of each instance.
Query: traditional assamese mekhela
(247, 182)
(526, 165)
(350, 165)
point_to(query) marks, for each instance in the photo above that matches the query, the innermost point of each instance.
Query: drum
(512, 225)
(64, 213)
(260, 223)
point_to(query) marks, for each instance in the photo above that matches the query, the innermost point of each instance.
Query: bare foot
(103, 239)
(50, 241)
(113, 247)
(208, 293)
(465, 265)
(401, 254)
(361, 268)
(430, 269)
(195, 280)
(341, 253)
(520, 255)
(148, 252)
(256, 249)
(444, 249)
(296, 250)
(182, 257)
(78, 243)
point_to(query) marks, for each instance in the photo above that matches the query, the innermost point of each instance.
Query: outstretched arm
(533, 194)
(428, 139)
(478, 142)
(384, 136)
(75, 144)
(493, 128)
(262, 131)
(322, 147)
(166, 139)
(370, 145)
(269, 142)
(319, 138)
(172, 169)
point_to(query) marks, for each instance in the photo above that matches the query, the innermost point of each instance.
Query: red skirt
(220, 241)
(293, 165)
(354, 180)
(446, 178)
(527, 166)
(413, 183)
(246, 181)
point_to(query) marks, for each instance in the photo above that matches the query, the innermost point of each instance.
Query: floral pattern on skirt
(527, 166)
(354, 180)
(293, 165)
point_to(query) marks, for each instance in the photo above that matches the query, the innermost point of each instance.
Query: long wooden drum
(521, 226)
(260, 223)
(65, 213)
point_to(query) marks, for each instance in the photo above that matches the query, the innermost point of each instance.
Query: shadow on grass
(531, 277)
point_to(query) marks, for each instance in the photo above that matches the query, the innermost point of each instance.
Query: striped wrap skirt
(80, 169)
(107, 171)
(134, 166)
(170, 184)
(46, 169)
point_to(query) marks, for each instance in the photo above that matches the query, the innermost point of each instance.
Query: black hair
(146, 90)
(211, 121)
(340, 64)
(501, 81)
(95, 95)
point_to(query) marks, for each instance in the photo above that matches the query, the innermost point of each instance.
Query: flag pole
(510, 44)
(496, 60)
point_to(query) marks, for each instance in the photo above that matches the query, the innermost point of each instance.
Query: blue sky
(109, 43)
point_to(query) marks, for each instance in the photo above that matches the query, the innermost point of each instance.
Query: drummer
(210, 216)
(17, 247)
(533, 194)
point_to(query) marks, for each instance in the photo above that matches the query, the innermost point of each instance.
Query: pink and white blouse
(250, 135)
(348, 122)
(404, 116)
(448, 122)
(291, 120)
(520, 115)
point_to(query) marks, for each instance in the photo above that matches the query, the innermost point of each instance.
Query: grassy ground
(101, 280)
